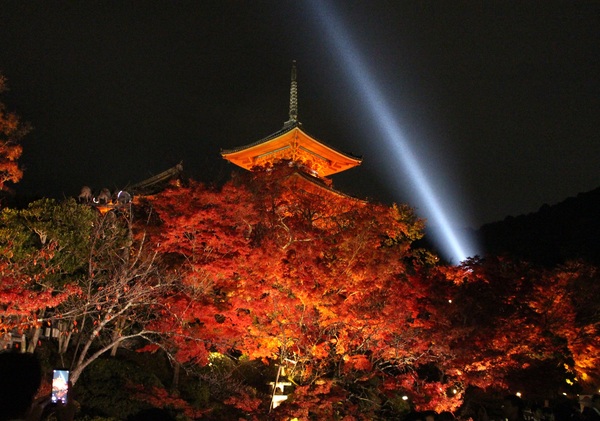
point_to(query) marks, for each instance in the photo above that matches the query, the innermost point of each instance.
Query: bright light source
(398, 148)
(404, 398)
(450, 301)
(518, 394)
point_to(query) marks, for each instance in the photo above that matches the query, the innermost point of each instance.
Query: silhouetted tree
(12, 130)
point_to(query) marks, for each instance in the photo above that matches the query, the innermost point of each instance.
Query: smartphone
(60, 386)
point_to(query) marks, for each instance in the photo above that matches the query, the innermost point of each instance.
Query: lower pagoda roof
(319, 184)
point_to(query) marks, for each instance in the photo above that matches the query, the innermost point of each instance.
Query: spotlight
(455, 247)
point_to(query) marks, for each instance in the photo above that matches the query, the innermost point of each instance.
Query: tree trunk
(74, 375)
(36, 334)
(175, 382)
(64, 337)
(115, 336)
(34, 339)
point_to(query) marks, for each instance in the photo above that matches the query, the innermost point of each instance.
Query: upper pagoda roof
(294, 144)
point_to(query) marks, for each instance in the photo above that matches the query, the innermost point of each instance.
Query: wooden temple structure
(313, 162)
(106, 201)
(314, 159)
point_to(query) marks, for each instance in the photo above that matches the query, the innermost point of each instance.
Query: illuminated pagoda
(314, 160)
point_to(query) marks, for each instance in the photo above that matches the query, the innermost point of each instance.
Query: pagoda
(314, 159)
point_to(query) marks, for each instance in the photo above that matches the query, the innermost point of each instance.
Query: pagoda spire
(291, 143)
(293, 96)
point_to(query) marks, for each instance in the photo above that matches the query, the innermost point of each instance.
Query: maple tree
(80, 274)
(43, 248)
(563, 308)
(121, 294)
(287, 271)
(331, 289)
(12, 130)
(512, 321)
(307, 285)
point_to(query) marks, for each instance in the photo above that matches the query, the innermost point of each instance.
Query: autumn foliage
(275, 277)
(523, 327)
(12, 130)
(37, 251)
(285, 271)
(281, 269)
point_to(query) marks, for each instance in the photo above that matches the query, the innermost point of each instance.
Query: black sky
(502, 97)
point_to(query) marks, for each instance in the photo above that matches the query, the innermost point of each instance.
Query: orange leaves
(357, 362)
(22, 299)
(194, 350)
(263, 351)
(158, 397)
(320, 351)
(329, 278)
(327, 316)
(508, 316)
(244, 401)
(151, 348)
(12, 130)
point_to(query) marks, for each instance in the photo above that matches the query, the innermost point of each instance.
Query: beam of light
(446, 238)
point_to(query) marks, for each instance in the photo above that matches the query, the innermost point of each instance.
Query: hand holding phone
(60, 386)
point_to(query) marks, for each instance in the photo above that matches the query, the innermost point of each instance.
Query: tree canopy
(277, 274)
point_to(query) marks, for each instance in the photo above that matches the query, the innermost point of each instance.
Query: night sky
(499, 100)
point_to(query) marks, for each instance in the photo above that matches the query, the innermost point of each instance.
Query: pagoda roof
(292, 143)
(319, 184)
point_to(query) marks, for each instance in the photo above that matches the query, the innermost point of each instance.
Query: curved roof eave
(286, 129)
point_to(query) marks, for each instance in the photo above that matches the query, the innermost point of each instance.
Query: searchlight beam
(446, 238)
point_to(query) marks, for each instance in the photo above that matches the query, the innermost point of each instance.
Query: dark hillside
(552, 235)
